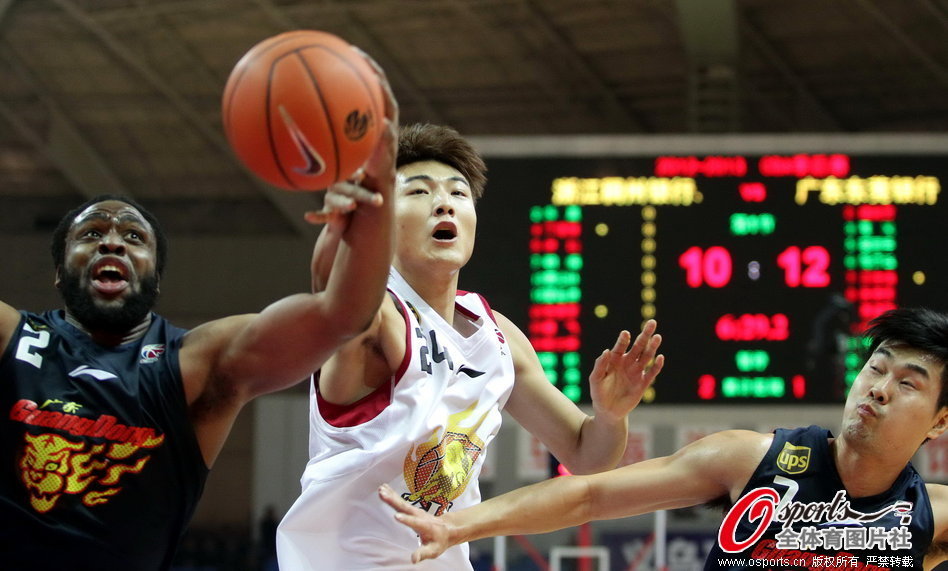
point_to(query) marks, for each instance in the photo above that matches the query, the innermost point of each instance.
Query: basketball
(303, 110)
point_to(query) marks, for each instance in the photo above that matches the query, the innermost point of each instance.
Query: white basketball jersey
(428, 442)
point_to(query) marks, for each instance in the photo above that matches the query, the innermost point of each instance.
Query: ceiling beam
(800, 87)
(408, 90)
(552, 87)
(63, 143)
(290, 206)
(938, 70)
(616, 113)
(710, 35)
(4, 8)
(938, 12)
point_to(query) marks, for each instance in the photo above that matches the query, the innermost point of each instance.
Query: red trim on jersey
(490, 311)
(406, 358)
(470, 314)
(372, 404)
(361, 411)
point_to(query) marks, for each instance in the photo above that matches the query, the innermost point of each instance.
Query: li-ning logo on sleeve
(97, 374)
(793, 459)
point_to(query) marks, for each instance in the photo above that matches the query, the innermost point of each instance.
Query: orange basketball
(303, 110)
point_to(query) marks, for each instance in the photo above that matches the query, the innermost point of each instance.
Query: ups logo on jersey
(793, 459)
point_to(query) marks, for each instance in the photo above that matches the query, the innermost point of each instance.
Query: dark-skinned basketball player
(112, 417)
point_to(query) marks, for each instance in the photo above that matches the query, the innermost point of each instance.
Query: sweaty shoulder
(9, 318)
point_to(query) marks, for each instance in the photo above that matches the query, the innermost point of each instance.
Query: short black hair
(58, 245)
(920, 328)
(427, 142)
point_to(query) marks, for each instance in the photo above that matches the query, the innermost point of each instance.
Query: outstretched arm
(585, 444)
(293, 337)
(700, 472)
(227, 362)
(339, 203)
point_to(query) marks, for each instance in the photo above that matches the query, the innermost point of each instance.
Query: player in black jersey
(110, 417)
(799, 499)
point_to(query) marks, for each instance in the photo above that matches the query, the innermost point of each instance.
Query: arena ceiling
(124, 95)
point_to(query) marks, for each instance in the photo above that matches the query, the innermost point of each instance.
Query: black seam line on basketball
(270, 137)
(325, 103)
(276, 61)
(243, 71)
(266, 109)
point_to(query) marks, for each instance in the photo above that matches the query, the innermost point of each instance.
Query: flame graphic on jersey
(51, 466)
(438, 471)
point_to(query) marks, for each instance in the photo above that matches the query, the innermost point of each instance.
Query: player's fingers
(391, 104)
(651, 348)
(380, 168)
(322, 216)
(389, 139)
(347, 195)
(316, 217)
(601, 366)
(390, 497)
(410, 519)
(656, 367)
(643, 338)
(339, 203)
(622, 342)
(424, 552)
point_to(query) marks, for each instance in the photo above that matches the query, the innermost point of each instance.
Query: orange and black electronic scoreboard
(761, 268)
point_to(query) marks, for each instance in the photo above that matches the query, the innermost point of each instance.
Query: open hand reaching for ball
(434, 533)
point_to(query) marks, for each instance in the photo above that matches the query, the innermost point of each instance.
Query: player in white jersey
(416, 399)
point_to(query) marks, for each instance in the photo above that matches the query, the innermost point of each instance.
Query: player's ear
(940, 423)
(57, 279)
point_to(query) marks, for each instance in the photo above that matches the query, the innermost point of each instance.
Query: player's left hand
(620, 377)
(433, 533)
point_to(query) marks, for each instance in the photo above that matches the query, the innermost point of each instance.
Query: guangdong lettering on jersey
(795, 513)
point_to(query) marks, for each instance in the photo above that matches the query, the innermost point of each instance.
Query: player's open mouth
(109, 277)
(445, 232)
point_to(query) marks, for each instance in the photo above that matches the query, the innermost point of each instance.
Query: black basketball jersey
(100, 465)
(795, 514)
